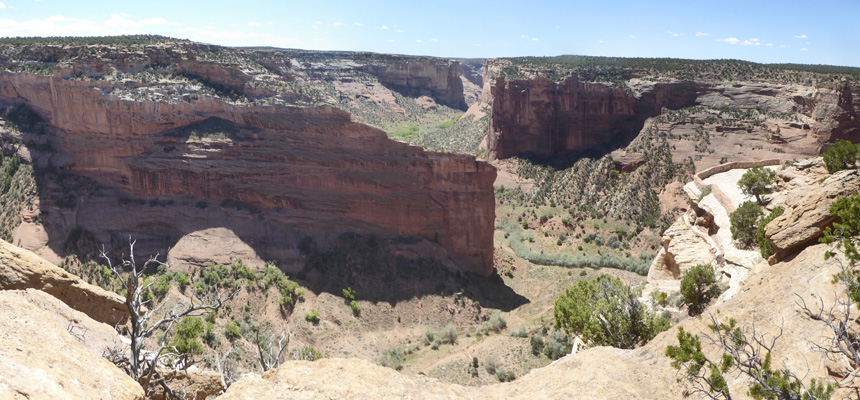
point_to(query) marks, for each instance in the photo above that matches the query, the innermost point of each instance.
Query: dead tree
(271, 347)
(141, 366)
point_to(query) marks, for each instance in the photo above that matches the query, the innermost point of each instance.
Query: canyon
(292, 172)
(533, 114)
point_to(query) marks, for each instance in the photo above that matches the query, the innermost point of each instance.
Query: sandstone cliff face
(310, 170)
(546, 117)
(440, 80)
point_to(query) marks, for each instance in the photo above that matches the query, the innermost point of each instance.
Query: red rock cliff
(545, 117)
(309, 170)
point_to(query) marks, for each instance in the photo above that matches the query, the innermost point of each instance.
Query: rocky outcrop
(682, 248)
(282, 173)
(807, 213)
(438, 78)
(546, 117)
(21, 269)
(45, 358)
(412, 76)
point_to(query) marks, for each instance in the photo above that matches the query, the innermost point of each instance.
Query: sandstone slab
(22, 269)
(41, 360)
(807, 213)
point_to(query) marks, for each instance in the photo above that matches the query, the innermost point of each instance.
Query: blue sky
(821, 32)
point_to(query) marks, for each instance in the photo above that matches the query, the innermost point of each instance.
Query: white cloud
(399, 31)
(804, 49)
(358, 24)
(391, 41)
(599, 41)
(270, 23)
(337, 23)
(784, 46)
(234, 25)
(751, 42)
(769, 44)
(524, 36)
(2, 5)
(254, 23)
(318, 22)
(632, 37)
(315, 27)
(477, 45)
(801, 36)
(730, 40)
(384, 27)
(700, 34)
(434, 40)
(673, 33)
(535, 39)
(418, 41)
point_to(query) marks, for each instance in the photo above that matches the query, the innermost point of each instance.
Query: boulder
(40, 358)
(807, 213)
(682, 249)
(22, 269)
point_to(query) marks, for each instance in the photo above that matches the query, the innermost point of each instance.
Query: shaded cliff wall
(303, 171)
(439, 79)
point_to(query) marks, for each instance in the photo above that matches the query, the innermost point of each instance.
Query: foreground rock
(42, 358)
(21, 269)
(807, 212)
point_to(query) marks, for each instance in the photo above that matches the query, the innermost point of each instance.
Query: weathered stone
(21, 269)
(682, 249)
(42, 359)
(289, 172)
(807, 213)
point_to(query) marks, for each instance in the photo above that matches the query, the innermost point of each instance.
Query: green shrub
(557, 344)
(449, 334)
(429, 337)
(755, 182)
(841, 155)
(764, 244)
(606, 312)
(232, 331)
(659, 298)
(312, 316)
(744, 223)
(393, 358)
(698, 287)
(498, 322)
(503, 375)
(185, 341)
(308, 353)
(492, 364)
(537, 344)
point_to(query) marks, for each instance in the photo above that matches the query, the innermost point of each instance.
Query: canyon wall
(282, 174)
(440, 80)
(545, 117)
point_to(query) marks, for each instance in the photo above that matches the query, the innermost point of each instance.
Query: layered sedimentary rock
(807, 213)
(545, 117)
(441, 80)
(21, 269)
(282, 173)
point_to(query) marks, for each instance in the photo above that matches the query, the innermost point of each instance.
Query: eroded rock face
(545, 117)
(807, 213)
(280, 173)
(21, 269)
(681, 249)
(41, 359)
